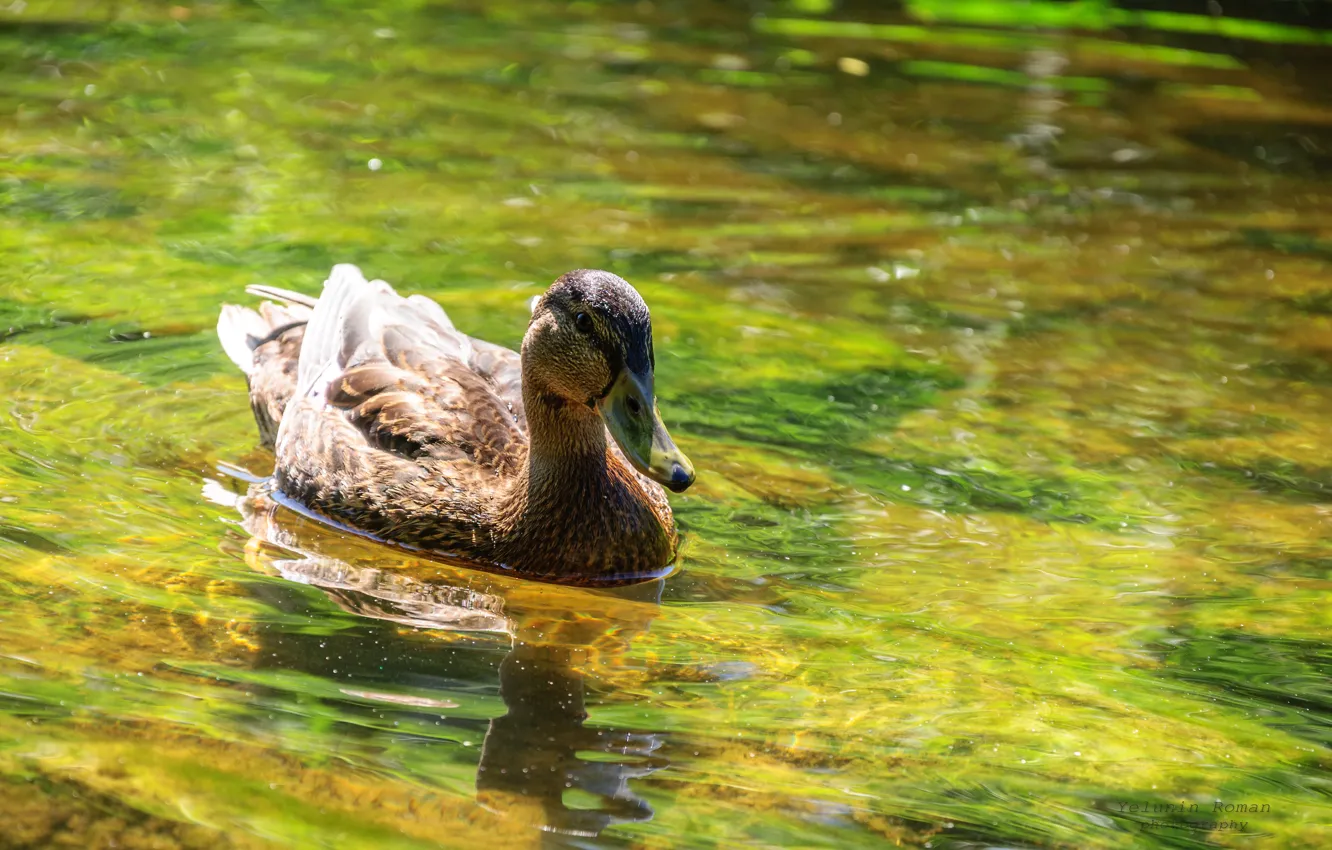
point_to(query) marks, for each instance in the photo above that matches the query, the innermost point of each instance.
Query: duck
(384, 419)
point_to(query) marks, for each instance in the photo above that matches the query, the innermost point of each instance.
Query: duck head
(590, 344)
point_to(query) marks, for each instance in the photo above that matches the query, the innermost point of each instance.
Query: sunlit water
(1000, 335)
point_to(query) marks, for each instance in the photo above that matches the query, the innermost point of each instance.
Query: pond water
(1000, 336)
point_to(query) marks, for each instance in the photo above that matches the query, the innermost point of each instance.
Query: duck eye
(583, 322)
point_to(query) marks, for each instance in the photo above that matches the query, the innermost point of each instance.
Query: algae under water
(999, 334)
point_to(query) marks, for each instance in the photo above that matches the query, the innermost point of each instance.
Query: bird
(386, 420)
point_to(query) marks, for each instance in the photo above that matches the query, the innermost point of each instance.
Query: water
(998, 333)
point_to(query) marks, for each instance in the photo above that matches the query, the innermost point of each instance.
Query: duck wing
(503, 368)
(398, 371)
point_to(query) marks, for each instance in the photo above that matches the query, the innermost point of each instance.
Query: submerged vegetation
(998, 334)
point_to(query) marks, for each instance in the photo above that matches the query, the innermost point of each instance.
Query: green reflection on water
(1009, 408)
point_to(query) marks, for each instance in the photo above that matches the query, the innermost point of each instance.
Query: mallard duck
(386, 419)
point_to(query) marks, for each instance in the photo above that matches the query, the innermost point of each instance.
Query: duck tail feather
(284, 296)
(240, 329)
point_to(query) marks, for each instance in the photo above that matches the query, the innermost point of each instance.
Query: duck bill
(631, 416)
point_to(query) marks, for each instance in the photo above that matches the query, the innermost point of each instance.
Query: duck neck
(567, 446)
(576, 510)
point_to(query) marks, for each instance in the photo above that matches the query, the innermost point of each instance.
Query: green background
(1000, 335)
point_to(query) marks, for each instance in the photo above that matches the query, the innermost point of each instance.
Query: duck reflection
(539, 761)
(532, 753)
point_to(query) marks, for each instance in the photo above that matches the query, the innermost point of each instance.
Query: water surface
(1000, 335)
